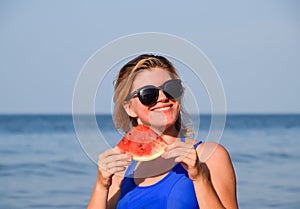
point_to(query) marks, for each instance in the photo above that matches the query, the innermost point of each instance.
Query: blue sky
(254, 46)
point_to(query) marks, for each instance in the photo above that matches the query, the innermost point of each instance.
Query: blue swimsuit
(174, 191)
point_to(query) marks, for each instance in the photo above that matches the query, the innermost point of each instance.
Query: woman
(190, 183)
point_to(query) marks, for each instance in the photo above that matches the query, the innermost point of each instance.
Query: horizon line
(107, 113)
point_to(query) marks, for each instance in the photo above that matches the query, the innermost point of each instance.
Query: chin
(160, 121)
(162, 126)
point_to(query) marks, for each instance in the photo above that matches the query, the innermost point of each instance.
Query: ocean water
(42, 164)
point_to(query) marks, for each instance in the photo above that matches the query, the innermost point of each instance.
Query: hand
(109, 163)
(186, 154)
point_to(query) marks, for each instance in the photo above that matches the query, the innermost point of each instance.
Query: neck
(169, 134)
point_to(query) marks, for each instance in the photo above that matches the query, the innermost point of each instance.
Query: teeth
(163, 108)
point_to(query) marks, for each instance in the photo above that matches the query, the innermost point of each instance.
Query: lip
(162, 108)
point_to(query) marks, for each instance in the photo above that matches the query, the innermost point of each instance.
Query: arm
(103, 197)
(217, 188)
(99, 196)
(106, 190)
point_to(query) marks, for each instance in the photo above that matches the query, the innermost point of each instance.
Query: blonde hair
(123, 85)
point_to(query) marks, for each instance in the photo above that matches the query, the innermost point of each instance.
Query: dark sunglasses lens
(148, 96)
(173, 88)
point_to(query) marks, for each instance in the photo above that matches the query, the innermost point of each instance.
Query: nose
(162, 97)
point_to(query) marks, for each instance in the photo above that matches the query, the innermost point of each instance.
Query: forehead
(155, 77)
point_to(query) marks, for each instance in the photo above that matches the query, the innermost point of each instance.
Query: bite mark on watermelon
(142, 143)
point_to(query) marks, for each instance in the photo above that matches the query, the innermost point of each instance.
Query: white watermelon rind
(148, 158)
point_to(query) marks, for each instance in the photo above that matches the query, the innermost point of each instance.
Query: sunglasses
(148, 95)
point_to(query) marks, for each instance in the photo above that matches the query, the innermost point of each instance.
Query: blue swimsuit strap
(196, 145)
(182, 139)
(130, 170)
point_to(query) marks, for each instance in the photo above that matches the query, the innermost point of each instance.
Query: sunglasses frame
(162, 87)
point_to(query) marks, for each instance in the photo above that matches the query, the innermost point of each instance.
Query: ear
(129, 109)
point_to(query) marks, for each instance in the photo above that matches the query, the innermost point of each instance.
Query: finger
(175, 153)
(114, 152)
(111, 159)
(178, 144)
(178, 149)
(189, 155)
(111, 165)
(111, 151)
(120, 163)
(117, 169)
(116, 157)
(189, 159)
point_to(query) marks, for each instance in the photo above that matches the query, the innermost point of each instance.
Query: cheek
(176, 106)
(177, 111)
(138, 108)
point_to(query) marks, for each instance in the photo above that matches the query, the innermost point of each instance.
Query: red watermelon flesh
(142, 143)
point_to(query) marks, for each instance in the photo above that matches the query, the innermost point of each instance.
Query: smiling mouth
(162, 108)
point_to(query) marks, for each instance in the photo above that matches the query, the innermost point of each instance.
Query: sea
(43, 165)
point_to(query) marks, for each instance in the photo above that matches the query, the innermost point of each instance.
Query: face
(161, 115)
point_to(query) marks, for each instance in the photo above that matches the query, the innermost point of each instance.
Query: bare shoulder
(210, 152)
(221, 170)
(218, 161)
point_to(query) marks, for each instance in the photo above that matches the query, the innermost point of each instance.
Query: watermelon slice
(142, 143)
